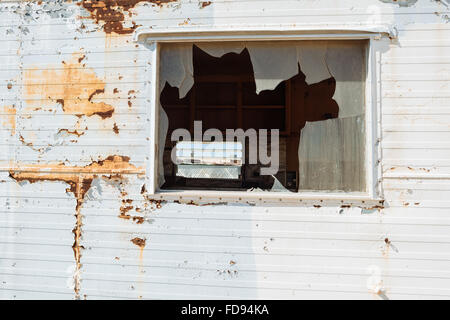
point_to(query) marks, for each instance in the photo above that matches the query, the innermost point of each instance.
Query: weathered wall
(75, 221)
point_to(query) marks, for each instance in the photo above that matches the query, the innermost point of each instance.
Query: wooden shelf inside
(241, 107)
(265, 107)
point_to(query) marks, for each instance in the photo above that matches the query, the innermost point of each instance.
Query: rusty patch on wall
(125, 208)
(112, 13)
(115, 128)
(139, 242)
(73, 87)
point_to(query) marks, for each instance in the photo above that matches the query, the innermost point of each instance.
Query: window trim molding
(152, 39)
(262, 33)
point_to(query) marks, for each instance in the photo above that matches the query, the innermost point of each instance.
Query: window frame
(152, 39)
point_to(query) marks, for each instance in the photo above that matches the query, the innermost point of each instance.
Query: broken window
(285, 116)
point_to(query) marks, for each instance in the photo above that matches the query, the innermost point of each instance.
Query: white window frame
(153, 39)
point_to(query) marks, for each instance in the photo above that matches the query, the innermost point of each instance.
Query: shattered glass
(331, 151)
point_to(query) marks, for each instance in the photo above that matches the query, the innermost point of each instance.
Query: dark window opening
(224, 97)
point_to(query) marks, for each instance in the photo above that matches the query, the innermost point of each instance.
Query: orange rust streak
(80, 191)
(71, 174)
(79, 183)
(8, 118)
(74, 132)
(112, 13)
(111, 165)
(73, 87)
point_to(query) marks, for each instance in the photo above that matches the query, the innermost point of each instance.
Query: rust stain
(113, 178)
(378, 207)
(185, 22)
(139, 242)
(73, 87)
(111, 13)
(204, 4)
(30, 144)
(387, 247)
(97, 91)
(156, 203)
(199, 204)
(125, 208)
(114, 164)
(138, 220)
(74, 132)
(8, 118)
(130, 97)
(79, 190)
(79, 180)
(9, 86)
(115, 128)
(124, 212)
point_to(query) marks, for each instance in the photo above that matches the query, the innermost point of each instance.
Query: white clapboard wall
(212, 251)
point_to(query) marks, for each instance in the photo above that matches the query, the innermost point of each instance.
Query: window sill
(204, 197)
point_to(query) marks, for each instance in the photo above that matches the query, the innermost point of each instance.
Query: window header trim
(153, 38)
(323, 32)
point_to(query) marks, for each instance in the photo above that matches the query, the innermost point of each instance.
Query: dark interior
(224, 97)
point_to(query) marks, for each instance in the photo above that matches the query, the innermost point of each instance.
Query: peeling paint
(29, 144)
(125, 208)
(156, 203)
